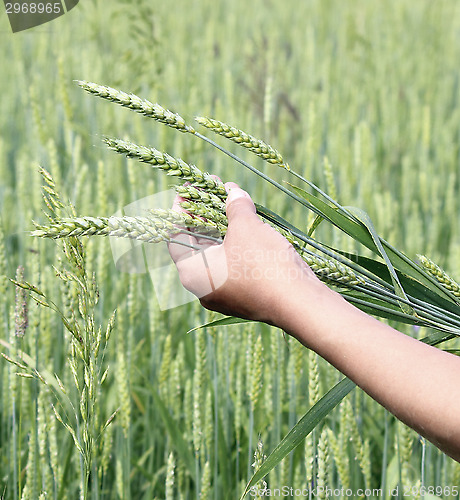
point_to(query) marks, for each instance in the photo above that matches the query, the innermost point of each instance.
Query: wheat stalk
(208, 424)
(309, 458)
(404, 445)
(43, 448)
(188, 404)
(176, 371)
(173, 166)
(199, 380)
(165, 368)
(313, 379)
(257, 146)
(361, 447)
(122, 375)
(339, 452)
(197, 413)
(238, 406)
(31, 487)
(142, 106)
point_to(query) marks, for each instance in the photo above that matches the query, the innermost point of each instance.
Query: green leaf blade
(303, 427)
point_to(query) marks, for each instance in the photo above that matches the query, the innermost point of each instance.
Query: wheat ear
(147, 229)
(142, 106)
(173, 166)
(444, 279)
(201, 210)
(190, 192)
(186, 221)
(257, 146)
(161, 225)
(329, 270)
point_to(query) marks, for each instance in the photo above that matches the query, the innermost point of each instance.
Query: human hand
(251, 273)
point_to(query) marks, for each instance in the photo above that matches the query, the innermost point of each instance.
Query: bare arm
(266, 280)
(416, 382)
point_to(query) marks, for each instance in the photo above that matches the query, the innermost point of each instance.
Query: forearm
(418, 383)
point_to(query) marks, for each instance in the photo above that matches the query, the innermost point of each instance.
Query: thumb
(239, 203)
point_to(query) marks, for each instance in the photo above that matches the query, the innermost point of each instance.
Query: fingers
(176, 203)
(178, 251)
(181, 247)
(238, 204)
(184, 245)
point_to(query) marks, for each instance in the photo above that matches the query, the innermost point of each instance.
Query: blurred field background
(362, 97)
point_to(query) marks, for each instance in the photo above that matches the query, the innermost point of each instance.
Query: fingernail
(230, 185)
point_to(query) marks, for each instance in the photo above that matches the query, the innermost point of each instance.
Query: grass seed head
(330, 270)
(159, 225)
(257, 146)
(172, 166)
(444, 279)
(21, 309)
(142, 106)
(190, 192)
(202, 210)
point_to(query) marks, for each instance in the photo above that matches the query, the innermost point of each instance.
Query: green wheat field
(361, 97)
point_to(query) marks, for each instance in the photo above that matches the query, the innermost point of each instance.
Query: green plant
(390, 286)
(77, 408)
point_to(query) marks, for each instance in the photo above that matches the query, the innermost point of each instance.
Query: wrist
(302, 308)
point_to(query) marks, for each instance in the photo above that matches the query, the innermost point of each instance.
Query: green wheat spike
(135, 103)
(257, 146)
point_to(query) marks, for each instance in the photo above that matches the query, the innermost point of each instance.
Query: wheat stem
(206, 482)
(165, 369)
(255, 375)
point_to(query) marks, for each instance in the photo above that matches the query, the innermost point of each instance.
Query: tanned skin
(266, 280)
